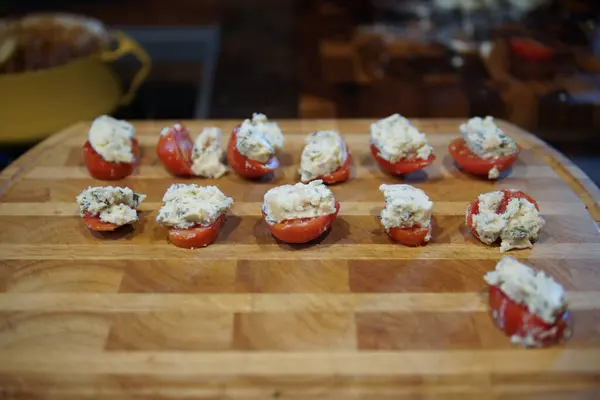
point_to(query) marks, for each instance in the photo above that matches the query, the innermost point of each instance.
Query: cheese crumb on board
(516, 227)
(494, 173)
(542, 295)
(485, 139)
(325, 152)
(112, 204)
(207, 154)
(258, 138)
(111, 138)
(298, 201)
(405, 207)
(396, 138)
(189, 205)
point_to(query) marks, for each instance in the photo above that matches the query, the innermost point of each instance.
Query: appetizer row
(302, 212)
(112, 151)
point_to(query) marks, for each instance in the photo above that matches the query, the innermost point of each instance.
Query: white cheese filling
(112, 204)
(189, 205)
(405, 207)
(298, 201)
(516, 227)
(325, 152)
(542, 295)
(485, 139)
(207, 154)
(397, 139)
(111, 138)
(259, 139)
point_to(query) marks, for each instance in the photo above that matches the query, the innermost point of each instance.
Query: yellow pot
(38, 103)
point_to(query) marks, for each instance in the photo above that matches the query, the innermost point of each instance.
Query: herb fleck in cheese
(325, 152)
(485, 139)
(298, 201)
(207, 154)
(190, 205)
(259, 139)
(405, 207)
(516, 227)
(112, 204)
(112, 139)
(397, 139)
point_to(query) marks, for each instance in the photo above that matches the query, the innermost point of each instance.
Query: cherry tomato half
(197, 236)
(302, 230)
(474, 164)
(339, 175)
(405, 166)
(174, 150)
(473, 208)
(95, 223)
(104, 170)
(414, 236)
(515, 319)
(244, 166)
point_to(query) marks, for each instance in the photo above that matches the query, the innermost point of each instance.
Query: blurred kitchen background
(533, 62)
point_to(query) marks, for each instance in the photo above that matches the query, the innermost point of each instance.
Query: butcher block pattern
(353, 316)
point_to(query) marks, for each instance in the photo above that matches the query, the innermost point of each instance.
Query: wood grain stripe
(263, 302)
(123, 251)
(149, 172)
(306, 363)
(356, 208)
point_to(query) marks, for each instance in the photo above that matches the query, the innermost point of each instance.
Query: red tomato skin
(174, 150)
(515, 319)
(197, 237)
(302, 230)
(104, 170)
(340, 175)
(474, 164)
(245, 167)
(530, 49)
(412, 237)
(401, 167)
(473, 208)
(95, 223)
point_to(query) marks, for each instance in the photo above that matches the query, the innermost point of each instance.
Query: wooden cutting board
(129, 315)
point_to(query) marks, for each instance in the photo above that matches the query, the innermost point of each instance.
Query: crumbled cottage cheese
(112, 204)
(298, 201)
(259, 139)
(516, 227)
(111, 138)
(396, 139)
(405, 207)
(189, 205)
(542, 295)
(325, 152)
(485, 139)
(207, 154)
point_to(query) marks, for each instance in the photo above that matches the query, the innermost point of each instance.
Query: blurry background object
(56, 70)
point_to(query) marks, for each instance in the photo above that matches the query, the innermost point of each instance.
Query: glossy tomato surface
(93, 222)
(339, 175)
(405, 166)
(302, 230)
(197, 236)
(104, 170)
(415, 236)
(174, 149)
(474, 164)
(244, 166)
(515, 319)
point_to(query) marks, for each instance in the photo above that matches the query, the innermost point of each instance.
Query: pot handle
(126, 45)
